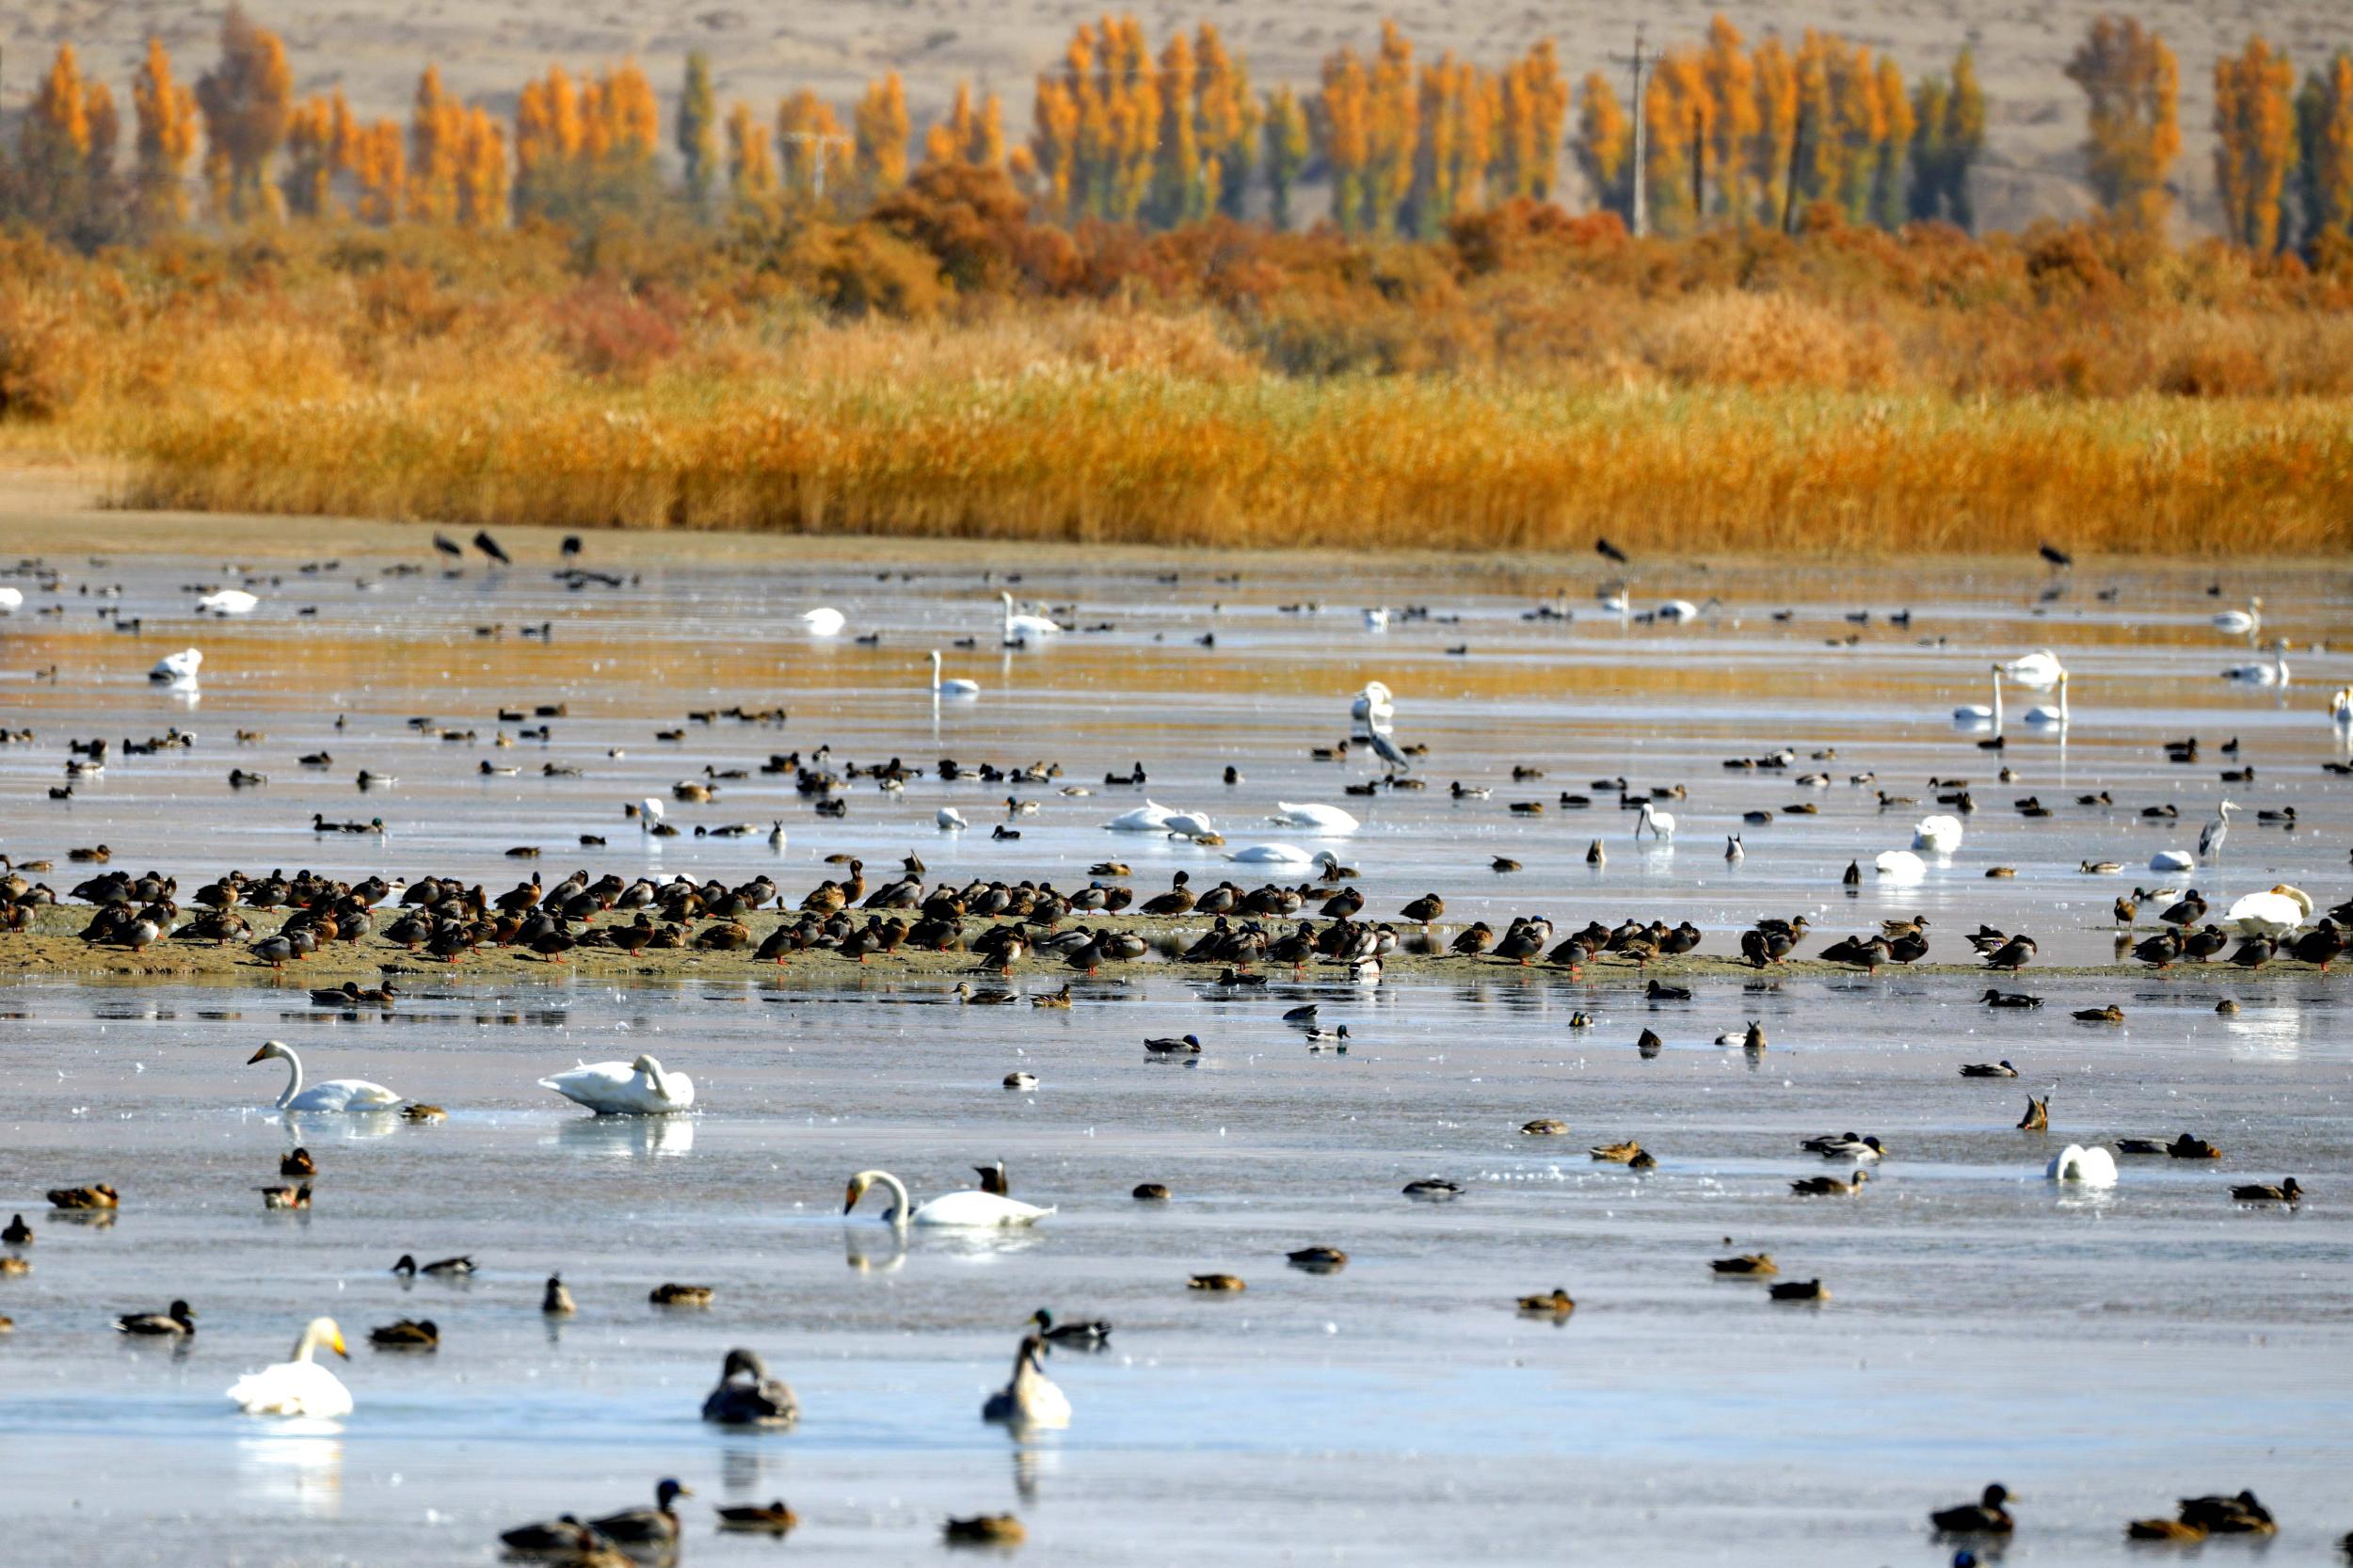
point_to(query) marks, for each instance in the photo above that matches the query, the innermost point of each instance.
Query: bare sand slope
(374, 48)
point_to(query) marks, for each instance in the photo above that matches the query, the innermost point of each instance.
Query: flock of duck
(1240, 929)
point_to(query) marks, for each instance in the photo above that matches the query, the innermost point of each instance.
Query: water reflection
(298, 1462)
(874, 1249)
(626, 1137)
(346, 1125)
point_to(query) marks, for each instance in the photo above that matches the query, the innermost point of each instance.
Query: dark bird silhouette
(1609, 551)
(571, 545)
(2057, 556)
(489, 546)
(449, 547)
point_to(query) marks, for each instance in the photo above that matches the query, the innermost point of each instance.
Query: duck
(2037, 1116)
(1173, 1045)
(1843, 1145)
(1798, 1290)
(1556, 1301)
(99, 1196)
(446, 1267)
(639, 1087)
(298, 1385)
(1318, 1260)
(333, 1095)
(2235, 1515)
(1989, 1069)
(1433, 1189)
(566, 1540)
(1986, 1516)
(1621, 1153)
(1545, 1126)
(1825, 1187)
(972, 1210)
(408, 1333)
(286, 1197)
(2187, 1147)
(655, 1526)
(769, 1518)
(1215, 1282)
(423, 1114)
(2009, 998)
(298, 1163)
(1031, 1398)
(557, 1300)
(1089, 1335)
(2287, 1192)
(1150, 1191)
(985, 1530)
(176, 1322)
(18, 1233)
(2172, 1530)
(1746, 1264)
(749, 1396)
(2111, 1014)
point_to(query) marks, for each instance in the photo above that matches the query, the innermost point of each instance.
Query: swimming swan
(228, 602)
(2240, 623)
(1029, 1399)
(1020, 627)
(1327, 820)
(969, 1207)
(639, 1088)
(182, 665)
(2093, 1167)
(2274, 673)
(1937, 835)
(2051, 718)
(824, 621)
(952, 688)
(300, 1386)
(1977, 713)
(335, 1094)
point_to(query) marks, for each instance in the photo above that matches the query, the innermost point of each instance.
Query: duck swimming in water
(749, 1396)
(1986, 1516)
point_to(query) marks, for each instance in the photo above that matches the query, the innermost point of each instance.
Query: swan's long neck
(900, 1206)
(293, 1081)
(1998, 700)
(308, 1344)
(934, 669)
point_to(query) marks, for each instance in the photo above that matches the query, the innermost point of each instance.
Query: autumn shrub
(41, 358)
(611, 331)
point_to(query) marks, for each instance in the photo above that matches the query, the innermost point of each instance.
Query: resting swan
(2270, 914)
(1937, 835)
(973, 1208)
(637, 1088)
(227, 601)
(1020, 627)
(299, 1386)
(2038, 672)
(2094, 1167)
(1029, 1399)
(183, 666)
(1151, 817)
(952, 687)
(1329, 821)
(1282, 854)
(335, 1094)
(824, 621)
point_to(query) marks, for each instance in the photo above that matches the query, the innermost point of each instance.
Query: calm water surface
(2101, 1353)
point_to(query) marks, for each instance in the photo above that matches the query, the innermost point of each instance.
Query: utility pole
(821, 141)
(1641, 61)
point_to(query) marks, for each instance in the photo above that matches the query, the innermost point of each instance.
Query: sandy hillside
(373, 49)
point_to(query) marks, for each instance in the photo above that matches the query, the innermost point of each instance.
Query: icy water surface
(2100, 1352)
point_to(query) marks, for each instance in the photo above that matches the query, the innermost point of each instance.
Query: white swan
(1977, 713)
(1029, 1399)
(639, 1088)
(2241, 622)
(1329, 821)
(950, 688)
(182, 665)
(824, 622)
(227, 601)
(649, 814)
(1374, 710)
(1678, 609)
(2038, 671)
(1616, 598)
(1189, 825)
(2272, 673)
(11, 600)
(1938, 835)
(970, 1207)
(1020, 627)
(2051, 718)
(1661, 824)
(1151, 817)
(1377, 619)
(2272, 914)
(2172, 860)
(1282, 854)
(1901, 864)
(949, 820)
(300, 1386)
(2093, 1167)
(335, 1094)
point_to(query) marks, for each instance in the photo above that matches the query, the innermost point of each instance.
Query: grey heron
(2210, 841)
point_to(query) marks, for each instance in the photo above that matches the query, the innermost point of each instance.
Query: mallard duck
(1830, 1186)
(747, 1395)
(656, 1525)
(2289, 1191)
(1800, 1290)
(771, 1518)
(2037, 1116)
(19, 1234)
(1185, 1045)
(98, 1196)
(2236, 1515)
(298, 1163)
(14, 1267)
(1557, 1302)
(986, 1530)
(408, 1333)
(567, 1541)
(680, 1295)
(1091, 1335)
(1545, 1126)
(1150, 1191)
(2111, 1014)
(2187, 1147)
(1622, 1153)
(1644, 1160)
(177, 1321)
(1215, 1282)
(1845, 1145)
(1746, 1263)
(1433, 1189)
(1317, 1260)
(446, 1267)
(1986, 1516)
(286, 1197)
(1053, 999)
(423, 1114)
(556, 1302)
(1989, 1069)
